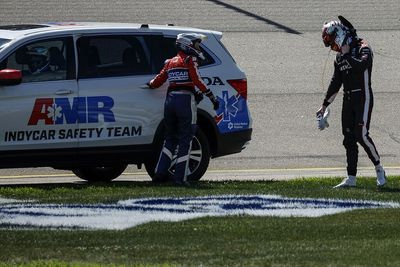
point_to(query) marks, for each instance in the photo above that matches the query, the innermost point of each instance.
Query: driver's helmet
(335, 35)
(38, 59)
(189, 43)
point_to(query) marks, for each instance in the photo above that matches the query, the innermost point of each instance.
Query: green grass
(358, 238)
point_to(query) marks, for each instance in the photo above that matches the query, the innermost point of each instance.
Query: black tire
(198, 160)
(99, 174)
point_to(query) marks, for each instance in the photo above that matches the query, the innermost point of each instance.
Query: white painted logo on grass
(133, 212)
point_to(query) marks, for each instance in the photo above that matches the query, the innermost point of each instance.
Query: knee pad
(349, 141)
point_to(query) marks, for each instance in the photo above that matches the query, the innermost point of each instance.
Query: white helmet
(335, 35)
(338, 33)
(189, 43)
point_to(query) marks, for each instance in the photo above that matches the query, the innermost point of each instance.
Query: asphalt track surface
(278, 45)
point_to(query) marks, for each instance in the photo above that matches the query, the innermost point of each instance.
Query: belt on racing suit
(352, 91)
(181, 90)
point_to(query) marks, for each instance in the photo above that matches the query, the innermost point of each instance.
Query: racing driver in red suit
(352, 69)
(180, 109)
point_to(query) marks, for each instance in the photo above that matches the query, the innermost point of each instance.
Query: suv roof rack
(21, 27)
(144, 26)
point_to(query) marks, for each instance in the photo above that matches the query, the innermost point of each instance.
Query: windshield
(3, 42)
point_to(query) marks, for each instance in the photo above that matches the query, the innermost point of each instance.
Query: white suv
(72, 96)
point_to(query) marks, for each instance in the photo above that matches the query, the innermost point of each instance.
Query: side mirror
(10, 77)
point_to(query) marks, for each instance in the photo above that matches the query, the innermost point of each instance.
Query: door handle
(144, 86)
(63, 92)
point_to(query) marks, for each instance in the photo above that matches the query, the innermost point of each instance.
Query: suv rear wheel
(99, 174)
(198, 160)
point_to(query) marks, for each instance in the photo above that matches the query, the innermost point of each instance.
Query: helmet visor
(330, 41)
(327, 39)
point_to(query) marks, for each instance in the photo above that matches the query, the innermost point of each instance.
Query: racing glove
(212, 98)
(322, 118)
(198, 97)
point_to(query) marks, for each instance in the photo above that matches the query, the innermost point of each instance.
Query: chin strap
(196, 53)
(324, 70)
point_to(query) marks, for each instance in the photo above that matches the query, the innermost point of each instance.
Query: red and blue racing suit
(180, 112)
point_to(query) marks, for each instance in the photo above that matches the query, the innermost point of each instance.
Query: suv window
(109, 56)
(46, 60)
(3, 42)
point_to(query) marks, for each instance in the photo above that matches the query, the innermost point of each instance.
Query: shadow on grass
(388, 190)
(198, 185)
